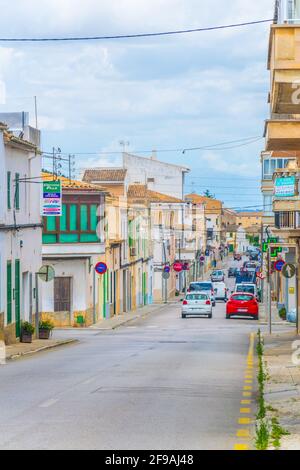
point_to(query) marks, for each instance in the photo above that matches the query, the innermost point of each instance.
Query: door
(17, 298)
(125, 292)
(62, 294)
(8, 292)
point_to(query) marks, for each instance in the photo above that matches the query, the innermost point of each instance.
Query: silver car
(197, 304)
(203, 286)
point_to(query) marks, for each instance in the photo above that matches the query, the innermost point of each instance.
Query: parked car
(243, 277)
(217, 276)
(197, 304)
(221, 291)
(232, 272)
(245, 287)
(237, 256)
(242, 304)
(204, 286)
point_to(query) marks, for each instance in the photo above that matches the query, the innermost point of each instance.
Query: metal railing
(287, 220)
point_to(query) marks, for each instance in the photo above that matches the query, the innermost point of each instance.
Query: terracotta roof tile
(105, 175)
(210, 204)
(140, 191)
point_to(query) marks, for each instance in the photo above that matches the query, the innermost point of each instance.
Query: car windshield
(245, 288)
(196, 297)
(200, 286)
(244, 297)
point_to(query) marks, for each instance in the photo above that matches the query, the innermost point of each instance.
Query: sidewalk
(283, 385)
(119, 320)
(17, 350)
(276, 320)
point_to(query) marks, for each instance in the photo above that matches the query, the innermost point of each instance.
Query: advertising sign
(52, 199)
(285, 187)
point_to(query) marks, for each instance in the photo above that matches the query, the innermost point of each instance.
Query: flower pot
(26, 337)
(44, 333)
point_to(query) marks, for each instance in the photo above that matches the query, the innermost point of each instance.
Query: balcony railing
(287, 220)
(287, 12)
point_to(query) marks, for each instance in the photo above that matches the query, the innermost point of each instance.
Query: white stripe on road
(49, 403)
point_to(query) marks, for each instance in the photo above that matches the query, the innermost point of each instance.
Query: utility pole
(269, 297)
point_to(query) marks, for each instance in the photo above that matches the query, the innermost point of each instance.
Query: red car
(242, 304)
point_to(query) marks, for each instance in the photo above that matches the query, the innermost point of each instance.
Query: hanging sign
(52, 199)
(285, 187)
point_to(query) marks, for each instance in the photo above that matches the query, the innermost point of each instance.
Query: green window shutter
(51, 224)
(68, 238)
(17, 298)
(8, 190)
(93, 217)
(73, 217)
(130, 234)
(9, 292)
(63, 219)
(48, 239)
(83, 218)
(17, 191)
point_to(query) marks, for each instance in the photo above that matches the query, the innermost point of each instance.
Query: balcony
(288, 224)
(284, 62)
(282, 134)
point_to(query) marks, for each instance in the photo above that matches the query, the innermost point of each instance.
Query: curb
(44, 348)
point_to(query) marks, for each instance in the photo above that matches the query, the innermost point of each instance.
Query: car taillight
(189, 290)
(207, 302)
(212, 292)
(185, 302)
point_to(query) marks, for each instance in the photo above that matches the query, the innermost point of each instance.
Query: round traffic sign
(177, 267)
(46, 273)
(288, 271)
(186, 267)
(166, 275)
(279, 265)
(101, 268)
(202, 259)
(167, 269)
(260, 275)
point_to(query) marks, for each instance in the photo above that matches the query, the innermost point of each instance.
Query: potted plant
(282, 313)
(27, 330)
(45, 328)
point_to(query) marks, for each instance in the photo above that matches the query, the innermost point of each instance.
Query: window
(8, 190)
(272, 164)
(77, 224)
(268, 204)
(17, 191)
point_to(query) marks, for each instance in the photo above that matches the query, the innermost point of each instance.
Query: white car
(246, 288)
(221, 291)
(197, 304)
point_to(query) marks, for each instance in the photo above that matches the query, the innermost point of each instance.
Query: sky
(160, 93)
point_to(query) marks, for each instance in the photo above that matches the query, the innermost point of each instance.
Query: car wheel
(227, 317)
(183, 316)
(210, 316)
(214, 304)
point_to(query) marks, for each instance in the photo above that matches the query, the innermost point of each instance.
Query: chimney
(154, 155)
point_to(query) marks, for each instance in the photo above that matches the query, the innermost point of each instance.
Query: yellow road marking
(246, 402)
(245, 410)
(243, 433)
(241, 447)
(249, 381)
(247, 394)
(245, 421)
(247, 387)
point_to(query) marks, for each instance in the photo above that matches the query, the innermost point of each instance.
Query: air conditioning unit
(132, 251)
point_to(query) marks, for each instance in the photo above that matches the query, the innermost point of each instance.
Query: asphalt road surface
(159, 383)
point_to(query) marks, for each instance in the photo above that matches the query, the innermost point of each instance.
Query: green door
(145, 288)
(8, 293)
(17, 298)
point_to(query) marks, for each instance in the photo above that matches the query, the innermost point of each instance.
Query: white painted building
(242, 243)
(20, 229)
(162, 177)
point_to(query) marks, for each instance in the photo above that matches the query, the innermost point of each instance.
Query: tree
(208, 194)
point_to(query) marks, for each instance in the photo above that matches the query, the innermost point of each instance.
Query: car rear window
(201, 286)
(245, 288)
(244, 297)
(196, 297)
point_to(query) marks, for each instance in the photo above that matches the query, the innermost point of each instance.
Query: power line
(239, 142)
(134, 36)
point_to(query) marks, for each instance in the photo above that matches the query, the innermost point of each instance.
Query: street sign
(166, 275)
(177, 267)
(288, 270)
(186, 267)
(202, 259)
(52, 199)
(46, 273)
(279, 265)
(167, 269)
(101, 268)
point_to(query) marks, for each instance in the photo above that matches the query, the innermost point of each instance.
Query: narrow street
(157, 383)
